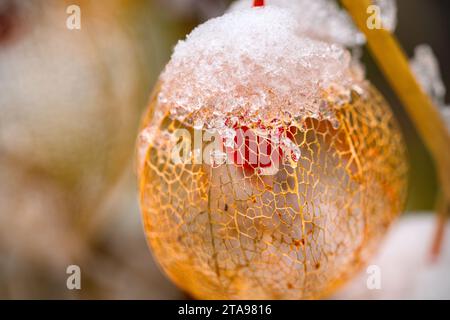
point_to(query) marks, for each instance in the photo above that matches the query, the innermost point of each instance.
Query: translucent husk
(224, 232)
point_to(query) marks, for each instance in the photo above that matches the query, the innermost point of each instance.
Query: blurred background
(70, 104)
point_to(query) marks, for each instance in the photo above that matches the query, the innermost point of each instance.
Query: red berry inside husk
(258, 148)
(258, 3)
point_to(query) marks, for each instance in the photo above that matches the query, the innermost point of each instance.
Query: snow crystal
(446, 115)
(253, 64)
(388, 12)
(324, 20)
(426, 69)
(319, 19)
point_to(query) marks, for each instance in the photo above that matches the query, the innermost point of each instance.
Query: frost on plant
(388, 12)
(425, 66)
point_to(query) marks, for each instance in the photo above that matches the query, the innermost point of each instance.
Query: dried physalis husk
(306, 174)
